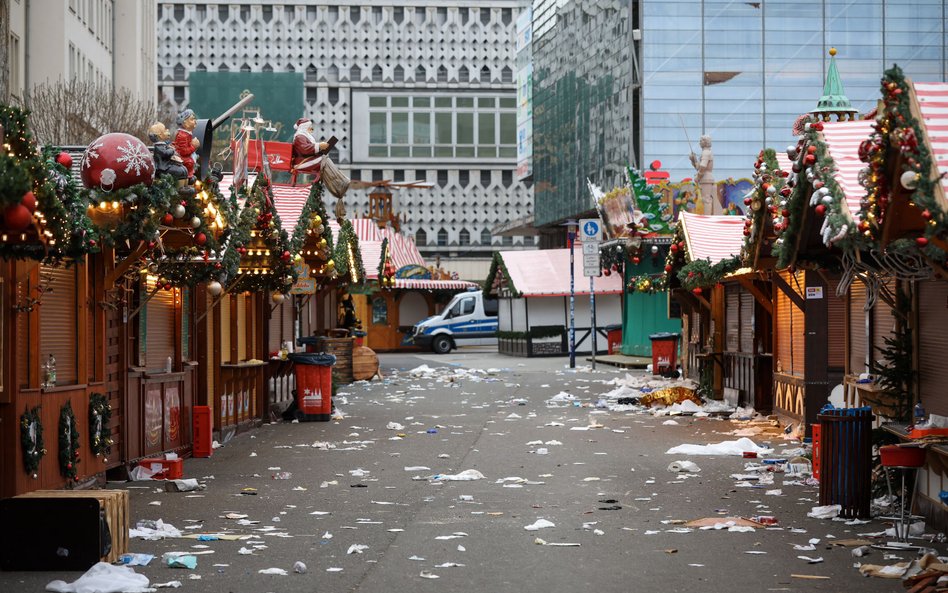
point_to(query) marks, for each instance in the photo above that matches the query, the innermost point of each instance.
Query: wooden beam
(119, 270)
(793, 295)
(759, 296)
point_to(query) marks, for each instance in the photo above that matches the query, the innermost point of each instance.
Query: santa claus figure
(185, 144)
(307, 152)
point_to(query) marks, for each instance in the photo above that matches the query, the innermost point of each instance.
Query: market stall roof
(420, 283)
(546, 273)
(842, 141)
(933, 103)
(712, 237)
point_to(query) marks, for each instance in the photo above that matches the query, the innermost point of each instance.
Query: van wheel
(441, 345)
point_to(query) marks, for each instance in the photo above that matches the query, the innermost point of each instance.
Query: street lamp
(571, 227)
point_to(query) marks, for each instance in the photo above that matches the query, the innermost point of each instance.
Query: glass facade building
(741, 72)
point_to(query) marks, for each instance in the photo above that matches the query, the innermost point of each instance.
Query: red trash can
(313, 386)
(664, 353)
(613, 338)
(203, 438)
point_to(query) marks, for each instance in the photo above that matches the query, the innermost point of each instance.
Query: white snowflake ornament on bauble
(116, 161)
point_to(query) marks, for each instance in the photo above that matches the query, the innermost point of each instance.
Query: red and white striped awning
(933, 103)
(712, 237)
(783, 161)
(402, 249)
(434, 284)
(842, 140)
(289, 201)
(366, 229)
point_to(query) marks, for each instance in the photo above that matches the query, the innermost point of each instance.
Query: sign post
(591, 235)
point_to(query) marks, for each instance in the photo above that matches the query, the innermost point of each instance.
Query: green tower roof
(834, 99)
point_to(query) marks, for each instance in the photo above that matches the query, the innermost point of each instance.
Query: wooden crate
(115, 504)
(341, 348)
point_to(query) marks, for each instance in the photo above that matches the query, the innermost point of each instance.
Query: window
(200, 67)
(399, 176)
(485, 16)
(245, 67)
(178, 94)
(420, 74)
(398, 74)
(267, 13)
(467, 307)
(485, 237)
(376, 73)
(490, 307)
(355, 74)
(223, 68)
(506, 75)
(485, 179)
(421, 175)
(464, 237)
(442, 15)
(333, 95)
(465, 15)
(442, 178)
(179, 12)
(485, 74)
(377, 175)
(311, 94)
(179, 71)
(420, 16)
(398, 14)
(464, 178)
(421, 237)
(355, 13)
(507, 241)
(311, 73)
(14, 58)
(223, 13)
(442, 238)
(379, 311)
(442, 74)
(506, 177)
(528, 241)
(463, 74)
(377, 15)
(267, 68)
(506, 16)
(245, 13)
(58, 323)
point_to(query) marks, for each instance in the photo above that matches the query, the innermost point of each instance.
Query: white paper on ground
(683, 467)
(103, 578)
(539, 524)
(825, 512)
(276, 571)
(737, 447)
(160, 531)
(357, 548)
(466, 475)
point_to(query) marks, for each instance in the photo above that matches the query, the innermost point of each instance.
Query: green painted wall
(645, 313)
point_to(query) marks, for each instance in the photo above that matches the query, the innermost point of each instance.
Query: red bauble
(809, 159)
(167, 219)
(151, 245)
(811, 149)
(64, 159)
(168, 286)
(668, 268)
(116, 161)
(29, 200)
(91, 242)
(606, 272)
(926, 214)
(17, 217)
(697, 291)
(674, 247)
(921, 241)
(614, 268)
(785, 213)
(68, 466)
(747, 233)
(200, 238)
(636, 260)
(747, 201)
(286, 256)
(820, 209)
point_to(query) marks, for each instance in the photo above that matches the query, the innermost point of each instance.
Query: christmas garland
(348, 240)
(497, 266)
(136, 211)
(314, 206)
(701, 273)
(612, 259)
(647, 283)
(769, 182)
(386, 269)
(68, 443)
(260, 218)
(31, 440)
(100, 432)
(897, 130)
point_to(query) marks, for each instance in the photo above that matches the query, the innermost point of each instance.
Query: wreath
(100, 413)
(68, 443)
(31, 440)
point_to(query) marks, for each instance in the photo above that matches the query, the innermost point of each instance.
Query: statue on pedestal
(703, 176)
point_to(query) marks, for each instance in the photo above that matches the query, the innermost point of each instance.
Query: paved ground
(578, 486)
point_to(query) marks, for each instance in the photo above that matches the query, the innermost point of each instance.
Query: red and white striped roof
(289, 201)
(433, 284)
(783, 161)
(933, 103)
(842, 140)
(402, 249)
(712, 237)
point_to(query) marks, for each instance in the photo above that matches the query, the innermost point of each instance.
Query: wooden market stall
(533, 291)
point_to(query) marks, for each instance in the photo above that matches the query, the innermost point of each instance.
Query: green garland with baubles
(348, 238)
(770, 182)
(31, 440)
(260, 218)
(68, 443)
(100, 431)
(898, 131)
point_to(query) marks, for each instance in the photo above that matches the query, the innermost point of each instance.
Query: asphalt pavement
(355, 501)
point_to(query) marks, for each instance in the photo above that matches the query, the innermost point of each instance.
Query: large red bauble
(29, 200)
(200, 238)
(921, 241)
(606, 272)
(17, 217)
(116, 161)
(167, 219)
(64, 159)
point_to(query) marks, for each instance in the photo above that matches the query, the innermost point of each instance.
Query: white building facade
(413, 89)
(103, 41)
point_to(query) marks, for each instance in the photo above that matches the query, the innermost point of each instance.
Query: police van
(469, 319)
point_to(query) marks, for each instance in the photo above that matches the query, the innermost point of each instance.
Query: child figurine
(167, 161)
(184, 141)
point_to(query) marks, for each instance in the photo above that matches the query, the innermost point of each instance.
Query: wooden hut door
(932, 345)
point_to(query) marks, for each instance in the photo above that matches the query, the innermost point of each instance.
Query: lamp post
(571, 227)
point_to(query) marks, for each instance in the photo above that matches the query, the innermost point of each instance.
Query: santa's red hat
(301, 122)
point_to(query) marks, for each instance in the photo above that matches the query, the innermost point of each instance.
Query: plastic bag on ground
(103, 578)
(466, 475)
(830, 511)
(687, 467)
(737, 447)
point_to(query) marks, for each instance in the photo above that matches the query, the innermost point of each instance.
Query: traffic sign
(592, 265)
(591, 247)
(590, 229)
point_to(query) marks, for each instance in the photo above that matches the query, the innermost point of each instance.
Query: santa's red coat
(182, 145)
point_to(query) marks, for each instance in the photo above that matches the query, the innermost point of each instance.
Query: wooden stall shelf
(116, 507)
